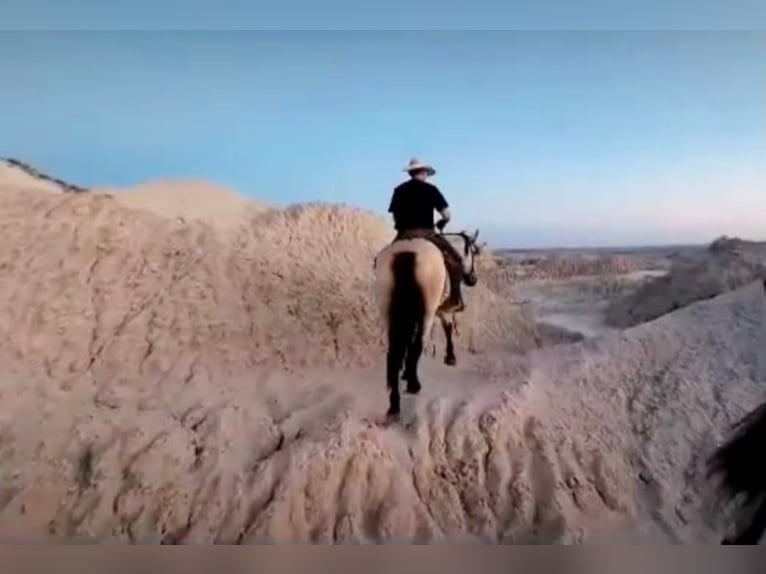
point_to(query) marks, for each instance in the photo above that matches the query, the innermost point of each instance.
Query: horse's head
(471, 250)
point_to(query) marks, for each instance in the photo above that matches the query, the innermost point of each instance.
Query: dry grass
(25, 175)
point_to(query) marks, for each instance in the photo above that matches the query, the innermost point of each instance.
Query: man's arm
(392, 205)
(394, 201)
(442, 207)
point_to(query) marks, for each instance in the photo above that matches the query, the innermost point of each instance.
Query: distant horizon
(610, 248)
(538, 138)
(518, 247)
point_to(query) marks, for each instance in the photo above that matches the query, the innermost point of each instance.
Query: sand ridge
(15, 174)
(189, 201)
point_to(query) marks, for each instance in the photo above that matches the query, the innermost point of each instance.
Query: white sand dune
(185, 381)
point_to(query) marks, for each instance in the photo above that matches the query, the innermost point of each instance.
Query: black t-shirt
(413, 204)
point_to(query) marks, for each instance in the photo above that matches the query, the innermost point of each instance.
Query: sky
(388, 15)
(539, 138)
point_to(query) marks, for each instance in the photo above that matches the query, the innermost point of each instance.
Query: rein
(463, 235)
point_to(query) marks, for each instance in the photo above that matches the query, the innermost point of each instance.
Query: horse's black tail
(741, 464)
(405, 313)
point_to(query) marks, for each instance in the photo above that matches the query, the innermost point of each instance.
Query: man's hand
(442, 223)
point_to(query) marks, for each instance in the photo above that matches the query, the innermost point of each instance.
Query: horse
(741, 465)
(412, 289)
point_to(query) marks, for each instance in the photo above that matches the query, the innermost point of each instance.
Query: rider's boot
(455, 299)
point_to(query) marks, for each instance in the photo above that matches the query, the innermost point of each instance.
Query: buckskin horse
(412, 288)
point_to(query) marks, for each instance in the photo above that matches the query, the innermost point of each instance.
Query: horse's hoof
(392, 416)
(413, 388)
(394, 406)
(451, 361)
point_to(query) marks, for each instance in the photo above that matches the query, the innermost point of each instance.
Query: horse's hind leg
(396, 351)
(414, 352)
(449, 328)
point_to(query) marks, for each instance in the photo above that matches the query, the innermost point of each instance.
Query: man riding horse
(412, 205)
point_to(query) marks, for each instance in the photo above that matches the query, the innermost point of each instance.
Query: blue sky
(388, 15)
(540, 138)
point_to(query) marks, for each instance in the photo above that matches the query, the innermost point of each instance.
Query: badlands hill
(727, 264)
(161, 274)
(173, 373)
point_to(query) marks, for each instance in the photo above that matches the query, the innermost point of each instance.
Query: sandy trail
(175, 381)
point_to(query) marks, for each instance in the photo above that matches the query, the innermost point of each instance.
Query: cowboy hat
(417, 165)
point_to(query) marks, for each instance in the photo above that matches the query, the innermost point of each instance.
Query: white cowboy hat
(416, 164)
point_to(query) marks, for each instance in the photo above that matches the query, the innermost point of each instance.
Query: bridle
(470, 247)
